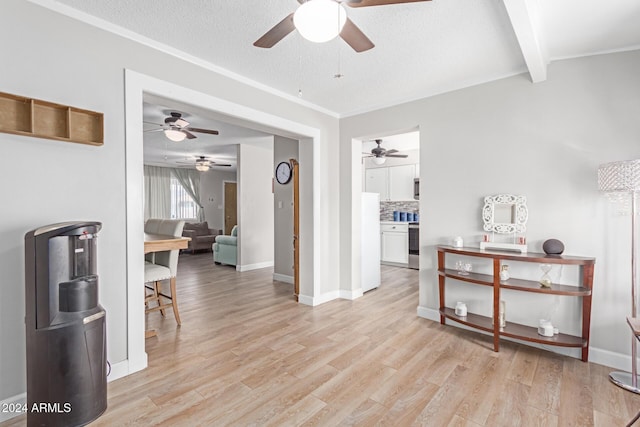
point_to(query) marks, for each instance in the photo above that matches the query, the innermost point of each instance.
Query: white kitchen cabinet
(394, 243)
(377, 182)
(401, 182)
(393, 183)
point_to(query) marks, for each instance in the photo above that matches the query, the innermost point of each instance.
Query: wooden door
(296, 227)
(230, 206)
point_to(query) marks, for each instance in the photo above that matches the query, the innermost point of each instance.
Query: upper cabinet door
(376, 182)
(401, 182)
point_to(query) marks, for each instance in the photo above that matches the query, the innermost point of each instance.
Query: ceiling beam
(524, 19)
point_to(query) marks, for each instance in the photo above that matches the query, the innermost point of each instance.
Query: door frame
(137, 85)
(295, 166)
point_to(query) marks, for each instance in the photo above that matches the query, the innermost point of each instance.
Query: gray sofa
(202, 237)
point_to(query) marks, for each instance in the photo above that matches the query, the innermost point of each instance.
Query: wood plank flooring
(248, 355)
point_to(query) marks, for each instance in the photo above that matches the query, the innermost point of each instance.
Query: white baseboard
(329, 296)
(596, 355)
(283, 278)
(610, 359)
(306, 300)
(428, 313)
(351, 295)
(121, 369)
(248, 267)
(15, 401)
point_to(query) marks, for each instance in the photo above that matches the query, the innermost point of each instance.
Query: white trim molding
(256, 266)
(283, 278)
(169, 50)
(137, 86)
(596, 355)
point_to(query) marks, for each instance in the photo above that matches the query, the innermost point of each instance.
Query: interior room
(523, 153)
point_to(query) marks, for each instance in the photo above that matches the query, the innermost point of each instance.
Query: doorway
(390, 168)
(136, 85)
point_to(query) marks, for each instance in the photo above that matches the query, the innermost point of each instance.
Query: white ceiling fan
(322, 20)
(379, 154)
(178, 129)
(203, 163)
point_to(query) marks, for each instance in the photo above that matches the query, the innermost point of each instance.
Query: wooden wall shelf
(522, 332)
(41, 119)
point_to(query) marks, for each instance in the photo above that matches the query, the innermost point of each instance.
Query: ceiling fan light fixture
(181, 123)
(379, 160)
(320, 20)
(202, 164)
(175, 135)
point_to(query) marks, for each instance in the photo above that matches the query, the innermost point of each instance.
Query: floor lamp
(623, 178)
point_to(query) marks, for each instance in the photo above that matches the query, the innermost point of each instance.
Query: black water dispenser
(66, 329)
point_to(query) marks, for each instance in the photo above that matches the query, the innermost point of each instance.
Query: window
(182, 205)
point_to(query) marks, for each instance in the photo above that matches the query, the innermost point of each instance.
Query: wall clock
(283, 172)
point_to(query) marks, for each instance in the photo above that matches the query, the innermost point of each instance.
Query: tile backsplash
(387, 208)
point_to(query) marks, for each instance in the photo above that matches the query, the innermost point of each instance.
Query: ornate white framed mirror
(505, 214)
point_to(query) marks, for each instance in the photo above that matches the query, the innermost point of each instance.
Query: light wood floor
(247, 355)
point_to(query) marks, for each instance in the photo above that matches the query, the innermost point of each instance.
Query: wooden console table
(514, 330)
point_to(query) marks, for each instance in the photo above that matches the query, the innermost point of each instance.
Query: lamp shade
(175, 135)
(202, 165)
(320, 20)
(379, 160)
(619, 177)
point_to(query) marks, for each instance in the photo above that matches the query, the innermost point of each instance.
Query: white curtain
(157, 192)
(190, 181)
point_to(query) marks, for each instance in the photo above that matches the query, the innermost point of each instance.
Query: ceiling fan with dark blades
(202, 163)
(380, 152)
(349, 32)
(177, 129)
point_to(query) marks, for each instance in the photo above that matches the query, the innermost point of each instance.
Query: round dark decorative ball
(553, 247)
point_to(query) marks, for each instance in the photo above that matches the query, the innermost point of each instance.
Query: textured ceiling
(222, 148)
(422, 48)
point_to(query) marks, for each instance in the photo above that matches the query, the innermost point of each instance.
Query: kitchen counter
(398, 222)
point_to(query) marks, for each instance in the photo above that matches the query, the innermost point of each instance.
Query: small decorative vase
(502, 313)
(504, 273)
(461, 309)
(458, 242)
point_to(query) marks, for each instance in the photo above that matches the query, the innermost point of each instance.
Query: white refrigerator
(370, 241)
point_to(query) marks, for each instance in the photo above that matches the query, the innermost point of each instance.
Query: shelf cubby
(15, 114)
(514, 330)
(42, 119)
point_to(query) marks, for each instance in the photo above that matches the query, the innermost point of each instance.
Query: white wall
(255, 206)
(544, 141)
(81, 182)
(284, 149)
(212, 195)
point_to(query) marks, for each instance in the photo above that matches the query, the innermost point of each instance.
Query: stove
(414, 245)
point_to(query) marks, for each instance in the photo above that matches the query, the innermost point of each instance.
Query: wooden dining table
(159, 243)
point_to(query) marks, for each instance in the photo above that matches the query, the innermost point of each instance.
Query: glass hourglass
(545, 280)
